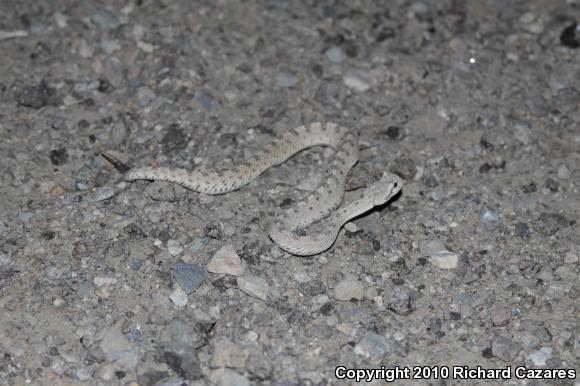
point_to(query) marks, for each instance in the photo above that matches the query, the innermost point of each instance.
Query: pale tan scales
(321, 203)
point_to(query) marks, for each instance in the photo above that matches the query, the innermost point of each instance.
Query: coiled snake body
(320, 204)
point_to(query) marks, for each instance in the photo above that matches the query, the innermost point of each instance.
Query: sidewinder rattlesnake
(320, 204)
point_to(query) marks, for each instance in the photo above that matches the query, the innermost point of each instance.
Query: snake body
(319, 204)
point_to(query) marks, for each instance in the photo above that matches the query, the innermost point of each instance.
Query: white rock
(227, 261)
(174, 248)
(178, 298)
(541, 356)
(439, 255)
(445, 260)
(357, 80)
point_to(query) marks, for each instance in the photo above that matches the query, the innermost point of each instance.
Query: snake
(321, 206)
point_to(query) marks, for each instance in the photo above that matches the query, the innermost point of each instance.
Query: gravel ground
(103, 282)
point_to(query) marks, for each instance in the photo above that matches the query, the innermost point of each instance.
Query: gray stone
(198, 243)
(522, 229)
(564, 173)
(504, 348)
(227, 261)
(335, 55)
(206, 100)
(401, 300)
(229, 377)
(254, 286)
(439, 255)
(100, 194)
(174, 248)
(488, 217)
(178, 297)
(500, 314)
(285, 80)
(373, 345)
(25, 216)
(3, 228)
(135, 263)
(189, 276)
(105, 18)
(550, 223)
(540, 357)
(349, 289)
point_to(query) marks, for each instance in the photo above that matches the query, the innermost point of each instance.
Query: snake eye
(395, 185)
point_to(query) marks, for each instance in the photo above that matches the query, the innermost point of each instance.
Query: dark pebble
(37, 96)
(550, 223)
(431, 181)
(392, 132)
(486, 167)
(105, 86)
(312, 288)
(522, 229)
(530, 188)
(551, 184)
(59, 156)
(404, 167)
(570, 37)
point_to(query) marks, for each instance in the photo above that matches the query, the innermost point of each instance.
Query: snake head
(384, 189)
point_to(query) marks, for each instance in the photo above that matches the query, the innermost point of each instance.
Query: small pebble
(59, 156)
(357, 79)
(37, 97)
(489, 217)
(25, 216)
(227, 261)
(285, 80)
(198, 243)
(401, 300)
(351, 227)
(178, 297)
(373, 345)
(135, 263)
(504, 348)
(404, 167)
(500, 314)
(100, 194)
(189, 276)
(522, 229)
(564, 173)
(570, 36)
(254, 286)
(349, 289)
(105, 18)
(174, 248)
(530, 188)
(550, 223)
(551, 185)
(540, 357)
(335, 55)
(431, 181)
